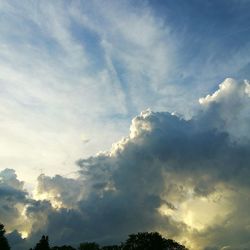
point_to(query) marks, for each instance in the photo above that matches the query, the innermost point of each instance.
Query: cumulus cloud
(62, 192)
(188, 179)
(13, 199)
(228, 108)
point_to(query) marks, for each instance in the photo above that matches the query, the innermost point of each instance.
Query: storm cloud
(188, 179)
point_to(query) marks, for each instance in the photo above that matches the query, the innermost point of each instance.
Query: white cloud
(230, 108)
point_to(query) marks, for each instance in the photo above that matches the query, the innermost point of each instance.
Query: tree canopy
(112, 247)
(43, 244)
(63, 248)
(89, 246)
(4, 245)
(139, 241)
(150, 241)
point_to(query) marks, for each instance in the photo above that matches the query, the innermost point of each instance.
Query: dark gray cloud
(17, 241)
(188, 179)
(13, 198)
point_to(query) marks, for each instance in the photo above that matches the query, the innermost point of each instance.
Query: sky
(141, 107)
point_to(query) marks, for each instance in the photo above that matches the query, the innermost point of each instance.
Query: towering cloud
(188, 179)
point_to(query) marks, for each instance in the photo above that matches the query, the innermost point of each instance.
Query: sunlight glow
(198, 213)
(24, 234)
(57, 204)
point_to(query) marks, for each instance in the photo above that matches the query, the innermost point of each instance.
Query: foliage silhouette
(139, 241)
(89, 246)
(113, 247)
(63, 248)
(43, 244)
(150, 241)
(4, 245)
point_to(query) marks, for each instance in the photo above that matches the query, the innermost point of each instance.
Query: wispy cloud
(52, 85)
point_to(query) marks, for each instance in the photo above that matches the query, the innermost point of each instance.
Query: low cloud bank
(188, 179)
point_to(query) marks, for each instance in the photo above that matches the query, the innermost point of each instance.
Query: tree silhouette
(150, 241)
(63, 248)
(89, 246)
(139, 241)
(113, 247)
(173, 245)
(43, 244)
(4, 245)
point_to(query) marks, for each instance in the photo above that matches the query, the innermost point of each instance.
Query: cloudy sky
(125, 116)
